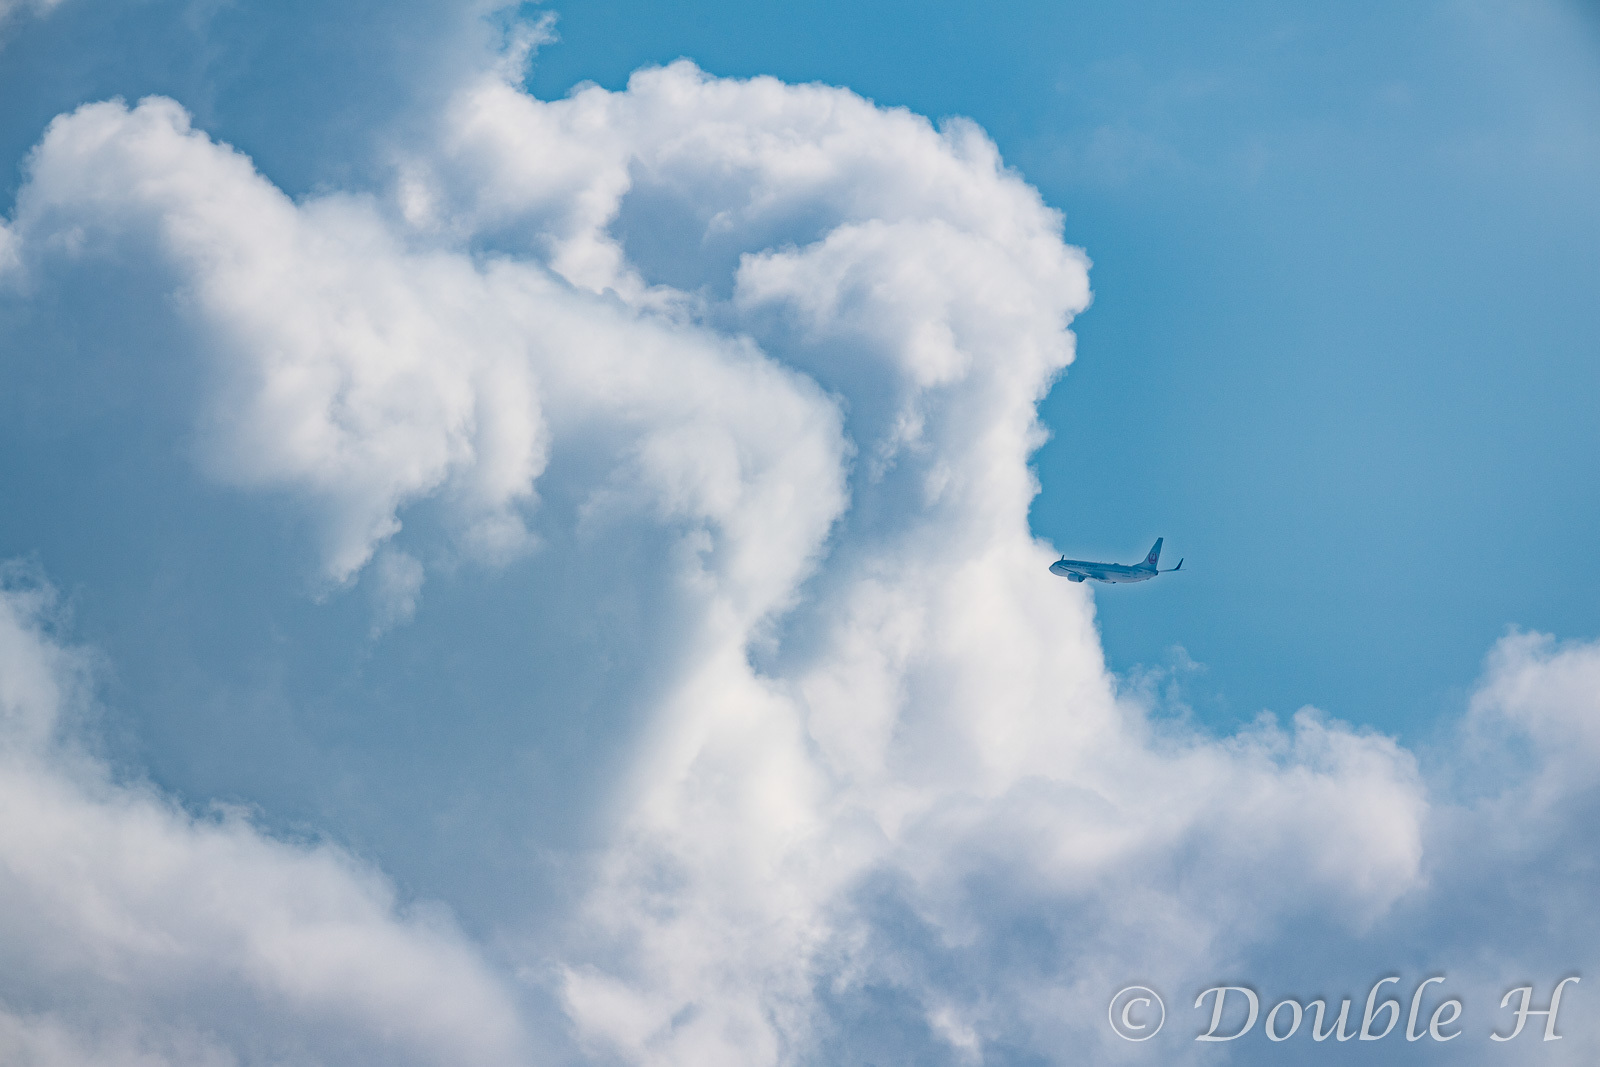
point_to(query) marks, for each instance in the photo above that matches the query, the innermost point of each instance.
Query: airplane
(1076, 570)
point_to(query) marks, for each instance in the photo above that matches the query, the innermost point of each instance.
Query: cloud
(136, 932)
(37, 7)
(343, 367)
(399, 583)
(9, 259)
(365, 373)
(889, 795)
(1549, 692)
(945, 745)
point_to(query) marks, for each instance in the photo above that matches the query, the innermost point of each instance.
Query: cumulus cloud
(949, 727)
(344, 368)
(137, 932)
(888, 792)
(1549, 692)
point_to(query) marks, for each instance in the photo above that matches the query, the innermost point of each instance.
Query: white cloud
(367, 374)
(344, 368)
(954, 719)
(802, 340)
(134, 932)
(1550, 692)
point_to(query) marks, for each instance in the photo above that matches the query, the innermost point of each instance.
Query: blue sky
(571, 532)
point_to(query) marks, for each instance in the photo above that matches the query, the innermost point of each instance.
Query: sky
(525, 528)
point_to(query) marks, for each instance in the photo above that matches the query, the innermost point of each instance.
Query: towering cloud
(133, 931)
(888, 795)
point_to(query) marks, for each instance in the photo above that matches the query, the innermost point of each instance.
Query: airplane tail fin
(1155, 553)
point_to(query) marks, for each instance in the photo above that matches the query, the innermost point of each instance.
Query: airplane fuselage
(1077, 570)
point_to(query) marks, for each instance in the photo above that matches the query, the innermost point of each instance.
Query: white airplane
(1077, 570)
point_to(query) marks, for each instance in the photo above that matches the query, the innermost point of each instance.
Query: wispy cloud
(9, 8)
